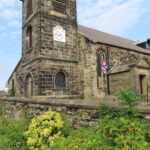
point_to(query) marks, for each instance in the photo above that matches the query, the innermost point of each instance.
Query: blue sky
(125, 18)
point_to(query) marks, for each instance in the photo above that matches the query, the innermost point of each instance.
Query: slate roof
(102, 37)
(119, 68)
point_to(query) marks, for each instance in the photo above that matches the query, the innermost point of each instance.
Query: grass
(11, 133)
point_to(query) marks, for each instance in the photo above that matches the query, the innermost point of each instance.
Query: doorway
(143, 84)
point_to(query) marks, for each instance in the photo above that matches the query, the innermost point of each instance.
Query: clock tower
(49, 56)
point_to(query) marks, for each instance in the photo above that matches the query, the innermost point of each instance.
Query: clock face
(59, 34)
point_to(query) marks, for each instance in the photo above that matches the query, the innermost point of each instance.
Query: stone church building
(61, 58)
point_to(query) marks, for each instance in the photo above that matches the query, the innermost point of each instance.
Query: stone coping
(85, 104)
(111, 101)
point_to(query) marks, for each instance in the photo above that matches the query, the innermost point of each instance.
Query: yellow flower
(46, 132)
(31, 141)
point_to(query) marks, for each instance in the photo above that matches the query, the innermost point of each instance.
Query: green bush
(44, 129)
(130, 100)
(81, 139)
(11, 134)
(125, 134)
(116, 134)
(105, 111)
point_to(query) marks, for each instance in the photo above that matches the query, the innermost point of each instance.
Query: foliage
(44, 129)
(80, 139)
(130, 100)
(11, 134)
(105, 111)
(125, 134)
(1, 109)
(112, 134)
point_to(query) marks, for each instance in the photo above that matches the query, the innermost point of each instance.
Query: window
(147, 46)
(29, 8)
(29, 38)
(29, 85)
(143, 84)
(59, 6)
(60, 80)
(100, 58)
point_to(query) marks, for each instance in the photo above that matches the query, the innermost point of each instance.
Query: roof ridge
(109, 39)
(107, 33)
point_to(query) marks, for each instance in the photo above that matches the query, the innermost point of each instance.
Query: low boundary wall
(79, 112)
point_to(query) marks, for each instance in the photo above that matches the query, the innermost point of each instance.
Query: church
(62, 58)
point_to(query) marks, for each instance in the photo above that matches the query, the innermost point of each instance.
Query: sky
(126, 18)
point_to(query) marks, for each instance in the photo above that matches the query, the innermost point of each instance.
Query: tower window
(29, 38)
(59, 6)
(29, 8)
(60, 80)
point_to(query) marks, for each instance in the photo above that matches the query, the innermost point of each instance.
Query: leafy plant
(44, 129)
(81, 139)
(105, 111)
(125, 134)
(130, 100)
(11, 134)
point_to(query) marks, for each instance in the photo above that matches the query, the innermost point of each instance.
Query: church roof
(119, 68)
(102, 37)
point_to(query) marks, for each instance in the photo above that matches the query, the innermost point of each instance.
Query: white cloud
(9, 14)
(113, 16)
(14, 24)
(7, 3)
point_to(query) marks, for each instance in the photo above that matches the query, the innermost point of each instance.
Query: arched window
(60, 80)
(59, 6)
(29, 85)
(29, 38)
(13, 88)
(100, 58)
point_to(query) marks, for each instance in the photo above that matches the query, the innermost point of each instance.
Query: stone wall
(93, 84)
(79, 113)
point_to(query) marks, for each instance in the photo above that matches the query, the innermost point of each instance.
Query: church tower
(49, 53)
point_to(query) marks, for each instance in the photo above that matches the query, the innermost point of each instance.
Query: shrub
(11, 134)
(105, 111)
(44, 129)
(81, 139)
(125, 134)
(130, 100)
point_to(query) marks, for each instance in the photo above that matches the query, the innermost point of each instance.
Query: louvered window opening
(59, 6)
(29, 8)
(29, 38)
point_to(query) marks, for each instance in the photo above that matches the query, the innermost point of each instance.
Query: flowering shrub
(43, 130)
(81, 139)
(125, 134)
